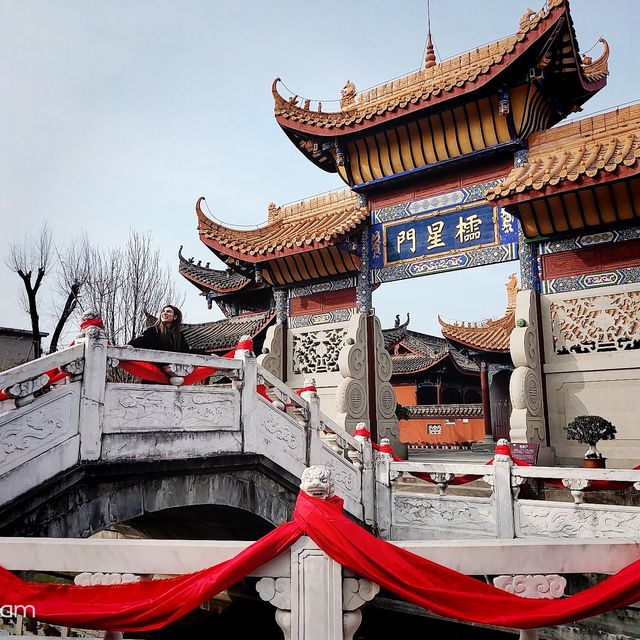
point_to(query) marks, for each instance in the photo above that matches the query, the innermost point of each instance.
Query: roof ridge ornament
(348, 96)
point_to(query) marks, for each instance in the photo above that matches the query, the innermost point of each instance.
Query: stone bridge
(80, 456)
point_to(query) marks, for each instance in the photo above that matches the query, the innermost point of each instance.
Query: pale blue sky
(118, 114)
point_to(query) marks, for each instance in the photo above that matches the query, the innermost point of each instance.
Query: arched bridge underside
(237, 497)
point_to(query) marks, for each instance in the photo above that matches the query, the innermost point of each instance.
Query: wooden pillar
(439, 390)
(486, 403)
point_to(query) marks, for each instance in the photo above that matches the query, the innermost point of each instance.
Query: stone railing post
(368, 483)
(503, 497)
(92, 393)
(383, 496)
(313, 425)
(246, 383)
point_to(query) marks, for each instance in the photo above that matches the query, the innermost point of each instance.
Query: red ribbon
(153, 604)
(304, 389)
(93, 322)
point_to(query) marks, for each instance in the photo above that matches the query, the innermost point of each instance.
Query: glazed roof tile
(302, 226)
(433, 82)
(220, 281)
(225, 333)
(489, 335)
(425, 351)
(588, 148)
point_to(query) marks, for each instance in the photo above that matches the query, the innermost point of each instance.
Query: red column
(486, 404)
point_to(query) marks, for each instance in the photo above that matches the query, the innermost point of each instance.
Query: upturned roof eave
(467, 87)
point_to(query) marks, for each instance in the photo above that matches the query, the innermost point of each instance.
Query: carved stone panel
(562, 520)
(590, 324)
(139, 408)
(345, 475)
(451, 513)
(317, 351)
(27, 432)
(280, 438)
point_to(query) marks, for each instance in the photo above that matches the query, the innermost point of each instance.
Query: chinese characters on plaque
(426, 236)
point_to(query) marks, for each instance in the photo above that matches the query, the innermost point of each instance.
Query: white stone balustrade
(405, 514)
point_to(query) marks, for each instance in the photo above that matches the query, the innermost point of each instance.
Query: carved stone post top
(318, 482)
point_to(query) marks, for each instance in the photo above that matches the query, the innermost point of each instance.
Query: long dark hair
(172, 332)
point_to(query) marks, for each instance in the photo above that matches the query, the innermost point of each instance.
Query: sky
(119, 114)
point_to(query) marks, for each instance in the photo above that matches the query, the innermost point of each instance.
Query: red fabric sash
(151, 605)
(153, 373)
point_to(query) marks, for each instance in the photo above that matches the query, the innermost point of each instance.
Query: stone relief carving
(584, 521)
(593, 324)
(442, 512)
(280, 431)
(279, 434)
(525, 387)
(145, 409)
(271, 359)
(351, 398)
(317, 351)
(385, 395)
(533, 586)
(29, 431)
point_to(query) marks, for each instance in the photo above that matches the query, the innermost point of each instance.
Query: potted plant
(590, 430)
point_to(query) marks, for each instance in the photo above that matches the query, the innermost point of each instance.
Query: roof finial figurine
(430, 57)
(348, 95)
(397, 320)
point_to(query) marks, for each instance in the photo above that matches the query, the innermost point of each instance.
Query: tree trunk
(69, 307)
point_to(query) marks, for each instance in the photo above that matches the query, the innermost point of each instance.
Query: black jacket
(151, 338)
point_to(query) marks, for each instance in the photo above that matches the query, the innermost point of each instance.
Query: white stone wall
(590, 367)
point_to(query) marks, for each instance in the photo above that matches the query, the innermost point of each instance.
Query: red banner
(150, 605)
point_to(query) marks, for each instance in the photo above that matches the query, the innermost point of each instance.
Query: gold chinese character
(434, 237)
(407, 236)
(507, 221)
(468, 228)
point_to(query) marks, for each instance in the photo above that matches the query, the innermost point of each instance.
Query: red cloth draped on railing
(150, 605)
(501, 449)
(596, 485)
(153, 373)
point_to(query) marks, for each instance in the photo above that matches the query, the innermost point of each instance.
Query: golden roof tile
(429, 83)
(292, 228)
(598, 145)
(490, 335)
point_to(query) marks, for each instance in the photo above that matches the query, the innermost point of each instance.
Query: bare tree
(31, 260)
(73, 273)
(124, 284)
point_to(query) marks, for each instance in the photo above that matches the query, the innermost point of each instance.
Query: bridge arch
(244, 490)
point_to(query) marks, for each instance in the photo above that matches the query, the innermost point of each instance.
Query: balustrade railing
(505, 513)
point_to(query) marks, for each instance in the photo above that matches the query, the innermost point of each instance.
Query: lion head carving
(317, 481)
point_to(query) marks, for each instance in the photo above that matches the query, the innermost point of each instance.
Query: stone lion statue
(317, 481)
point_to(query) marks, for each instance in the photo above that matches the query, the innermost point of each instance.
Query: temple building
(458, 165)
(456, 387)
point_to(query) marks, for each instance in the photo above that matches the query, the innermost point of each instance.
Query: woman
(166, 335)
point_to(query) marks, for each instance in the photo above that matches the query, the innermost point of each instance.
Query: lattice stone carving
(593, 324)
(317, 351)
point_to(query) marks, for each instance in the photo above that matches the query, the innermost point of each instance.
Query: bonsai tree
(590, 430)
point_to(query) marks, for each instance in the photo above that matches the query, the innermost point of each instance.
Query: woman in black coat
(166, 334)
